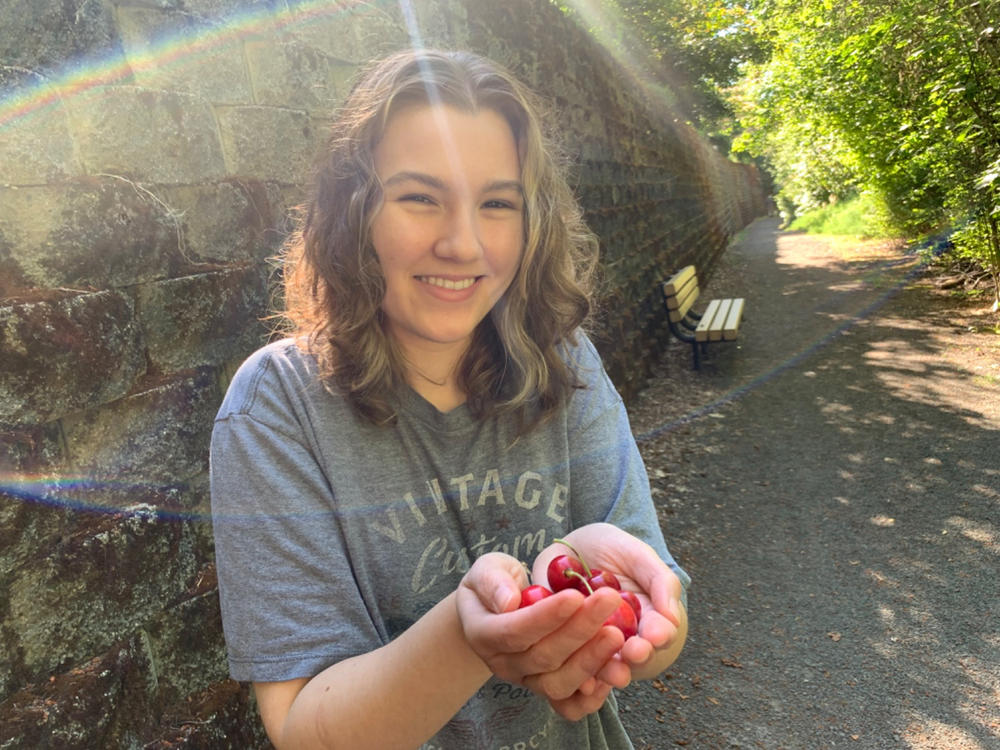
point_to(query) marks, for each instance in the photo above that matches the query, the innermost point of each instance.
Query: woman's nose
(460, 238)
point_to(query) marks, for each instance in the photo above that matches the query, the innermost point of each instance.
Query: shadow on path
(837, 503)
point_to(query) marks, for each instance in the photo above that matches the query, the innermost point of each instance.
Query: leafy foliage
(897, 97)
(860, 217)
(695, 48)
(895, 100)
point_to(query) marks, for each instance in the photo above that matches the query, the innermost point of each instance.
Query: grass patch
(856, 217)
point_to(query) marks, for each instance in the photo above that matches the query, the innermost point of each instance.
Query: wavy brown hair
(334, 286)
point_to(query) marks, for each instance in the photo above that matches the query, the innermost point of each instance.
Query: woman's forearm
(397, 696)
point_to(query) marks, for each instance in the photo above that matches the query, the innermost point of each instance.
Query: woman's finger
(518, 630)
(579, 705)
(552, 651)
(503, 637)
(497, 580)
(577, 672)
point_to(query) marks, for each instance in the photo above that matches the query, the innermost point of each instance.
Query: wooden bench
(719, 322)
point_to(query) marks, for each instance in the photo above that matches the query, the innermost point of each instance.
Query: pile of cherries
(569, 572)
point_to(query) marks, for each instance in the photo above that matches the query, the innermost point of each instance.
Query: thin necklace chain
(439, 383)
(428, 378)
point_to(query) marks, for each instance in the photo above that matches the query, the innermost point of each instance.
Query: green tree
(901, 98)
(897, 99)
(695, 48)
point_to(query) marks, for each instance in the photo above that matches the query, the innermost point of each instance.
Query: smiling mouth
(448, 283)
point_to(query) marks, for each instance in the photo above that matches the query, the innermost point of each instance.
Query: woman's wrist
(475, 660)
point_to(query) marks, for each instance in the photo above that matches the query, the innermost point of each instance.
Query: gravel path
(833, 486)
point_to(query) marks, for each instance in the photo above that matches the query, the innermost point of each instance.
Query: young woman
(435, 419)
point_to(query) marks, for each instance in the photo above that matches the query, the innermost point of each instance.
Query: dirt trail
(833, 486)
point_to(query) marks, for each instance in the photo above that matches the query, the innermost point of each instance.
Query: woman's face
(450, 230)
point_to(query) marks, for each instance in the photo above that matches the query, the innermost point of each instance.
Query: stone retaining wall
(150, 151)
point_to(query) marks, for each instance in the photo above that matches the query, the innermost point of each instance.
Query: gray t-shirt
(333, 535)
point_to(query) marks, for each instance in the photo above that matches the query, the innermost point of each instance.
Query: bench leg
(694, 351)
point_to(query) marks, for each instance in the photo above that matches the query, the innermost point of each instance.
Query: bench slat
(732, 324)
(677, 300)
(704, 330)
(680, 293)
(715, 333)
(675, 282)
(678, 307)
(720, 319)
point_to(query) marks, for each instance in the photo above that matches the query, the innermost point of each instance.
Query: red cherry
(601, 578)
(624, 619)
(558, 578)
(533, 594)
(633, 601)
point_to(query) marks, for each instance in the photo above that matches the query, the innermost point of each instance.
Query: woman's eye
(498, 203)
(417, 198)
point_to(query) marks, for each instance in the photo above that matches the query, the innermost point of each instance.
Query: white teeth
(448, 283)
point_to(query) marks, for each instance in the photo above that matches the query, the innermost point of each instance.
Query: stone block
(268, 143)
(91, 232)
(29, 458)
(380, 28)
(583, 121)
(36, 147)
(161, 4)
(226, 9)
(186, 645)
(286, 199)
(205, 319)
(352, 32)
(231, 221)
(286, 73)
(31, 451)
(66, 354)
(103, 702)
(41, 35)
(157, 436)
(106, 576)
(222, 717)
(440, 23)
(39, 511)
(178, 51)
(147, 135)
(107, 558)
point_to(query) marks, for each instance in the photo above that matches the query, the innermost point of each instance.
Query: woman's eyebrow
(437, 184)
(501, 185)
(420, 177)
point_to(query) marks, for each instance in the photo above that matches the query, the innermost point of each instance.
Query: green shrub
(860, 216)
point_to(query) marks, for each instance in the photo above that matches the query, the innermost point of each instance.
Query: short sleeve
(290, 603)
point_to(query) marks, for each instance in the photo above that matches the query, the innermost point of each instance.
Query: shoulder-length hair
(333, 284)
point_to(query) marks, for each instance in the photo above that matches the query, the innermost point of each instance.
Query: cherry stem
(527, 570)
(564, 543)
(574, 574)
